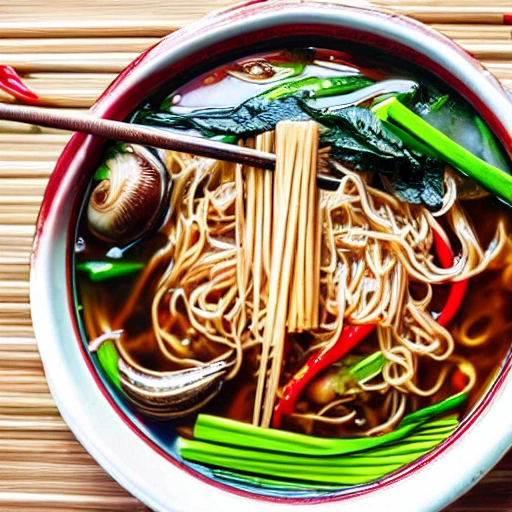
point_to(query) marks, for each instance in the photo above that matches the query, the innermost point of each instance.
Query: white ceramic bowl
(118, 442)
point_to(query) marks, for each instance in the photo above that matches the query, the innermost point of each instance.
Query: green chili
(314, 87)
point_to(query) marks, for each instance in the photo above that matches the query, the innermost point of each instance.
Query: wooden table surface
(68, 52)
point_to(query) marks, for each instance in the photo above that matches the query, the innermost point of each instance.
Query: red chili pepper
(459, 380)
(12, 84)
(458, 290)
(350, 336)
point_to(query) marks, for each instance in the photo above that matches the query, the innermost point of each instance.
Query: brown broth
(108, 298)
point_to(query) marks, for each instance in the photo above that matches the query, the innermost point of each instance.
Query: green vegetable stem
(314, 87)
(492, 178)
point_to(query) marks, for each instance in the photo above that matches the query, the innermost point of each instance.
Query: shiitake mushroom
(132, 196)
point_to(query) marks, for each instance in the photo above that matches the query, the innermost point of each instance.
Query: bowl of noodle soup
(231, 336)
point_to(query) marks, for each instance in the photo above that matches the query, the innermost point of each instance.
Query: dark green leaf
(254, 116)
(359, 138)
(356, 135)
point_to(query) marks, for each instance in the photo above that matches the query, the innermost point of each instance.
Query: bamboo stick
(69, 502)
(49, 446)
(78, 458)
(25, 200)
(59, 97)
(473, 13)
(51, 469)
(68, 62)
(488, 50)
(36, 138)
(16, 330)
(23, 128)
(477, 32)
(16, 320)
(12, 186)
(30, 154)
(19, 208)
(70, 28)
(502, 70)
(18, 218)
(27, 169)
(32, 423)
(14, 272)
(16, 230)
(77, 45)
(14, 293)
(37, 388)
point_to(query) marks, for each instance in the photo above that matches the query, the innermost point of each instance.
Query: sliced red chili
(458, 289)
(11, 83)
(350, 336)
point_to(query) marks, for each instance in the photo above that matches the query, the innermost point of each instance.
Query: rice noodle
(251, 255)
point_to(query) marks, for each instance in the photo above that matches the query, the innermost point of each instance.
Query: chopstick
(137, 134)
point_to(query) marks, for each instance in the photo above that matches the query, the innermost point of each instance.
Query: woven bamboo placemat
(69, 52)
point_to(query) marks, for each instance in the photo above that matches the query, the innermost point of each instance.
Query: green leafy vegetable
(254, 116)
(356, 135)
(102, 270)
(108, 360)
(492, 178)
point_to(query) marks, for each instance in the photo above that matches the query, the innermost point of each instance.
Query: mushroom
(131, 199)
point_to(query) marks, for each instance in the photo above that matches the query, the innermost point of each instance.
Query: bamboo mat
(69, 52)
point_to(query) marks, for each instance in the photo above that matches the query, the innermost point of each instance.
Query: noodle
(252, 255)
(296, 146)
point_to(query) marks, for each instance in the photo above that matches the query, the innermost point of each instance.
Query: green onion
(102, 270)
(368, 367)
(102, 173)
(492, 178)
(348, 469)
(450, 404)
(108, 360)
(226, 431)
(277, 456)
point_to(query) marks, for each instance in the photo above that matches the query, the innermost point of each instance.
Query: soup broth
(190, 284)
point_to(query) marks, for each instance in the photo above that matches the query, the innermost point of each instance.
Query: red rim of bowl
(117, 101)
